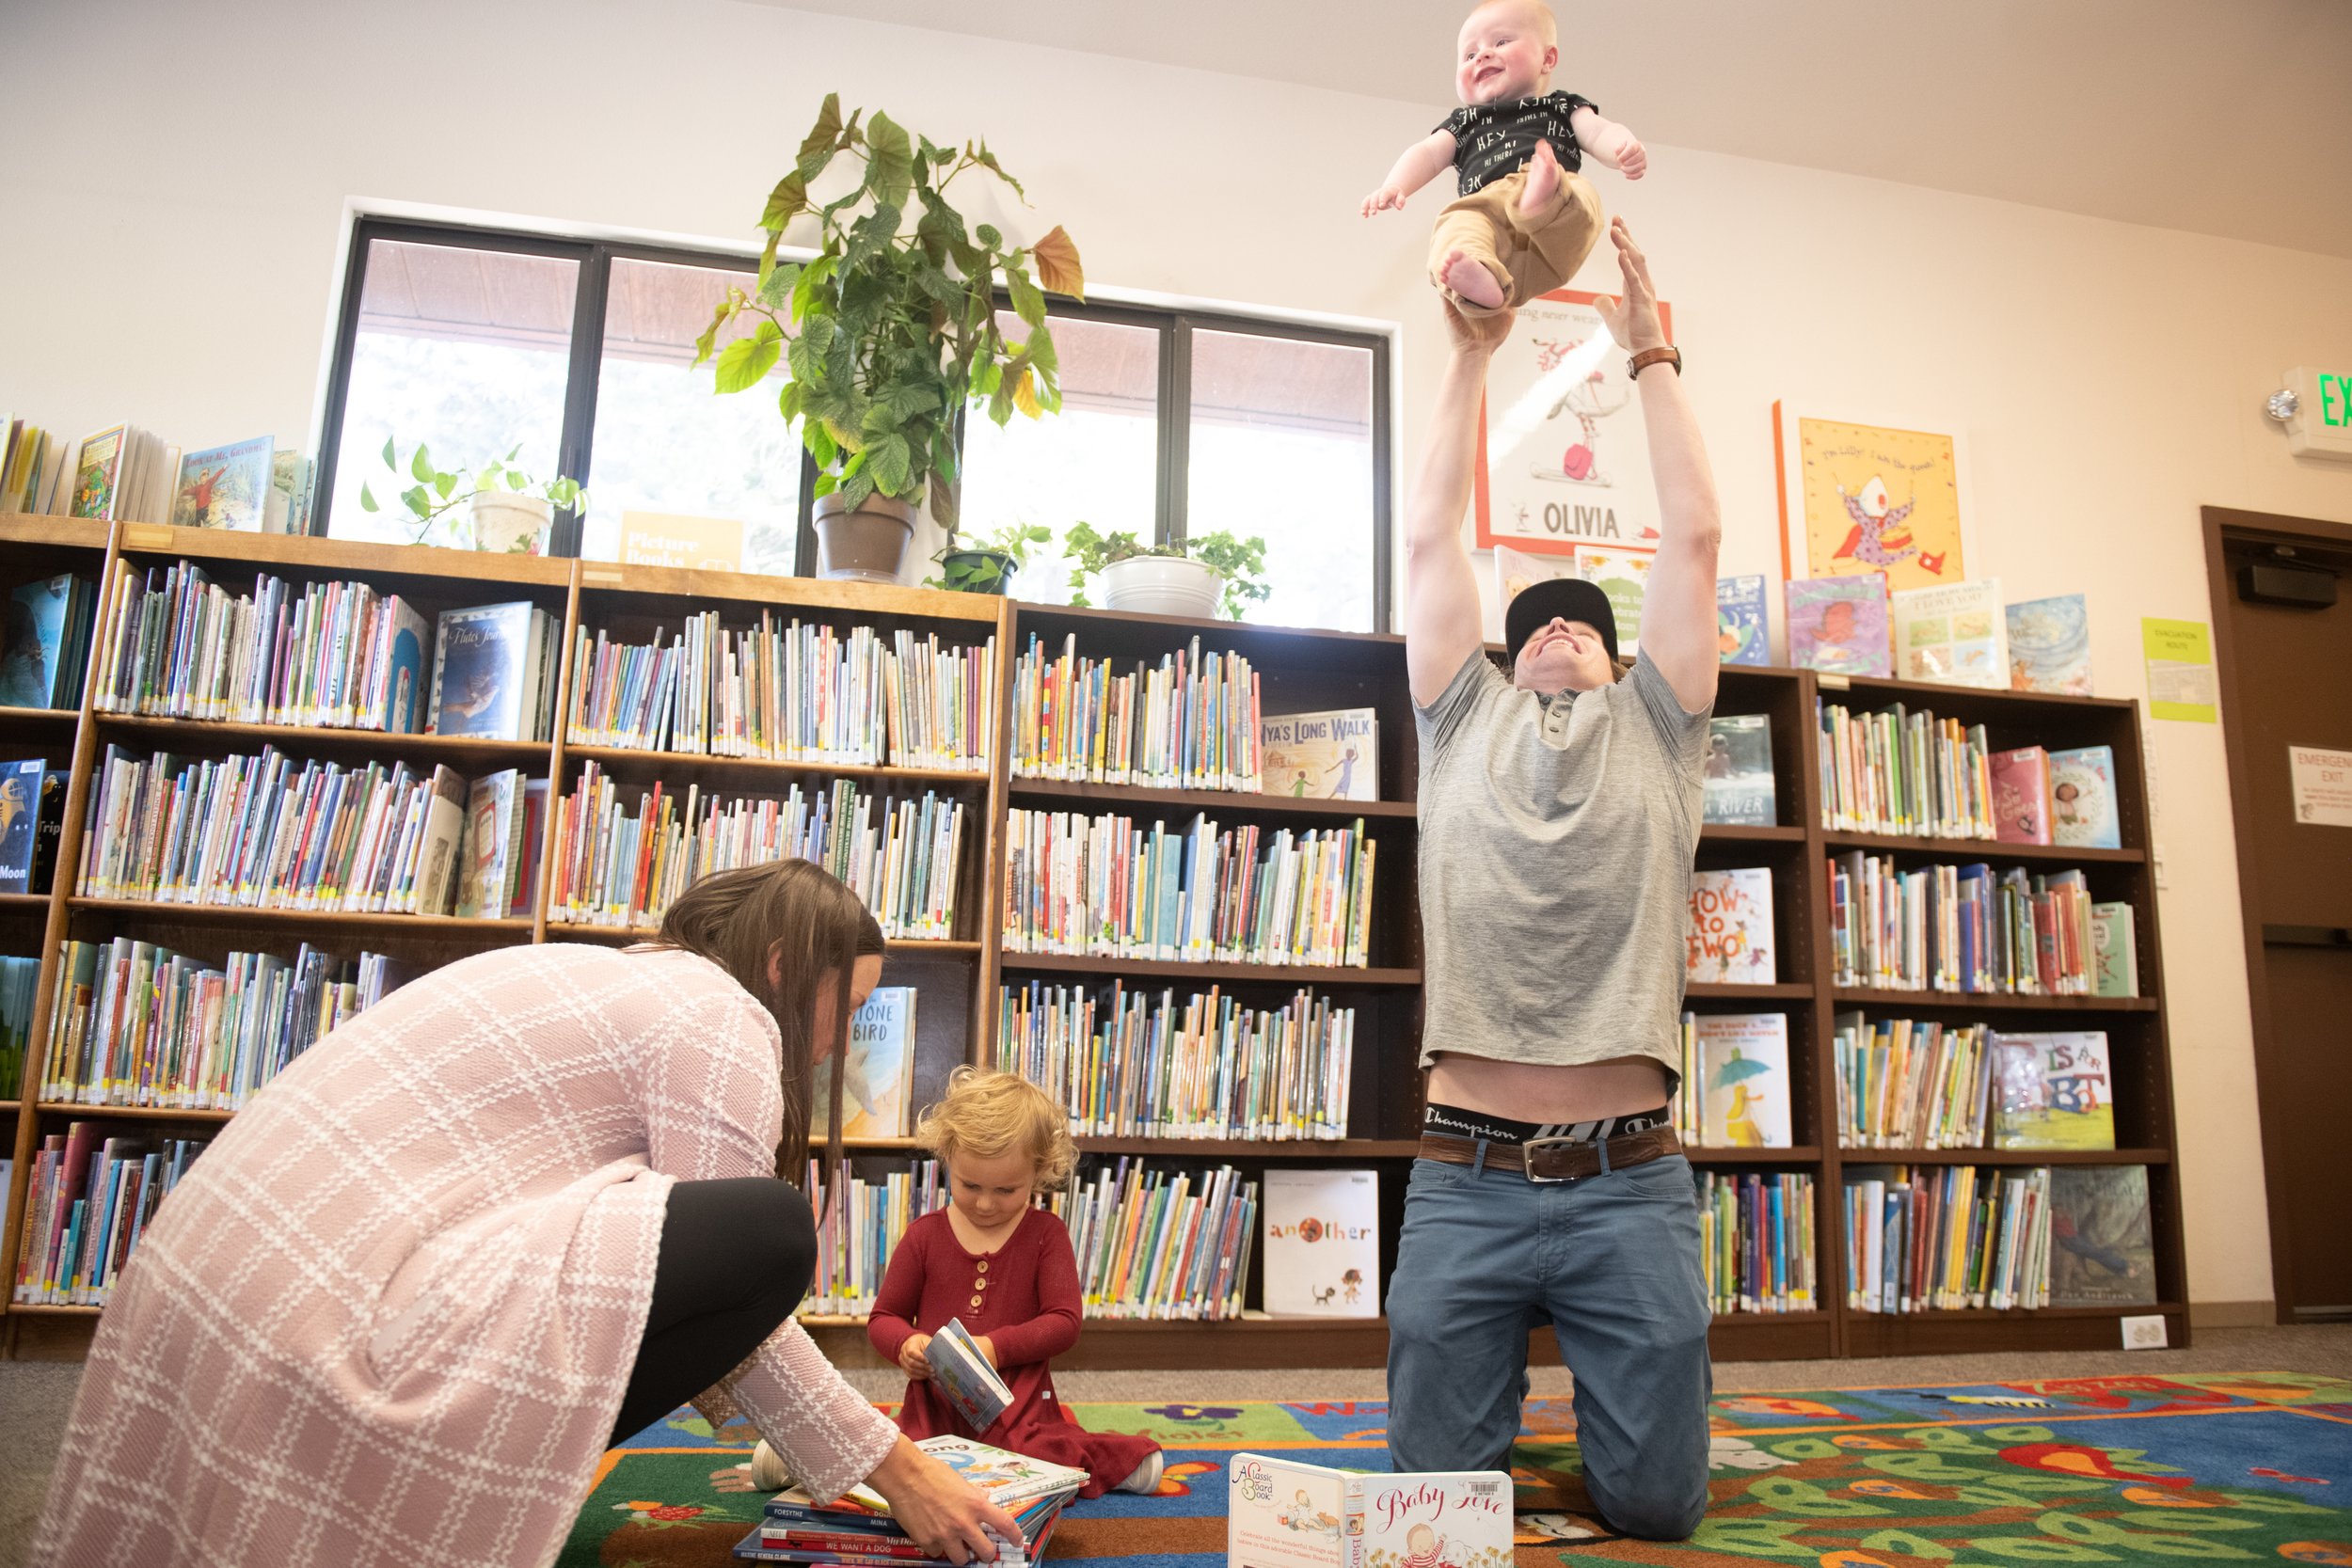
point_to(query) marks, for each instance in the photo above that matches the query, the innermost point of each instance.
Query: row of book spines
(861, 1224)
(1895, 1092)
(1759, 1241)
(1905, 773)
(1148, 1247)
(1958, 928)
(1202, 896)
(1197, 725)
(89, 1202)
(1947, 1240)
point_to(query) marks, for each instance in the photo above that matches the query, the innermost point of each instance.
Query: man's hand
(1476, 335)
(1384, 197)
(1633, 317)
(910, 1357)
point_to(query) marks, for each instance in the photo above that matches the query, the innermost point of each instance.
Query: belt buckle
(1527, 1156)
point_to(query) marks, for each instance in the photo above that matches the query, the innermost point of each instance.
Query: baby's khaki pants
(1529, 253)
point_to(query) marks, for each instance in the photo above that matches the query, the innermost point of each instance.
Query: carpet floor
(2247, 1467)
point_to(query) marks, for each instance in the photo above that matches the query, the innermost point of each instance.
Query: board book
(1286, 1513)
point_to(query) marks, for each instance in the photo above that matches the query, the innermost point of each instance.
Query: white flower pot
(1162, 585)
(510, 524)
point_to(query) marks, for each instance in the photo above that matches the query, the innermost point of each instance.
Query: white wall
(175, 178)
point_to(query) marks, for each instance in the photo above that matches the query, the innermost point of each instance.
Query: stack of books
(338, 655)
(141, 1025)
(857, 1527)
(1958, 928)
(1923, 1239)
(1757, 1237)
(617, 867)
(1899, 771)
(1109, 887)
(1191, 722)
(89, 1203)
(1156, 1244)
(785, 692)
(1141, 1067)
(1911, 1084)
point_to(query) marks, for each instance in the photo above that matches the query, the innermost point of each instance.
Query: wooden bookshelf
(1300, 671)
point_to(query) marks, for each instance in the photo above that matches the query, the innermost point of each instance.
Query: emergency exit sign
(2322, 427)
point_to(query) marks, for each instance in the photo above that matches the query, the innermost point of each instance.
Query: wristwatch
(1648, 357)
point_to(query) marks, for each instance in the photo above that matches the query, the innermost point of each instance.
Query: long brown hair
(815, 925)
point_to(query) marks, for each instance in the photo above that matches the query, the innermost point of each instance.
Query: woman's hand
(938, 1509)
(1633, 317)
(910, 1359)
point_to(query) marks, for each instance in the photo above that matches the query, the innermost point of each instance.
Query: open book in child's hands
(964, 1374)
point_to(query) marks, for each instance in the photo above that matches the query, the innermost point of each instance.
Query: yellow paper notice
(675, 539)
(2181, 680)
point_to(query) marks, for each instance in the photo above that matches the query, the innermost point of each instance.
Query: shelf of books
(1164, 869)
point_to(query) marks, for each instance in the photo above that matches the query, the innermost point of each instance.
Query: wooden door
(2286, 682)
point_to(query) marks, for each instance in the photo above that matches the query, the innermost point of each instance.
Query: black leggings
(736, 1260)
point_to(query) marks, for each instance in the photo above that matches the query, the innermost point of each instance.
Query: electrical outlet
(2155, 854)
(2144, 1332)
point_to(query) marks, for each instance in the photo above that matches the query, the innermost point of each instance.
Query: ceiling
(2221, 117)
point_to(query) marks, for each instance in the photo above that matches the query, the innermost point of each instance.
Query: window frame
(1174, 326)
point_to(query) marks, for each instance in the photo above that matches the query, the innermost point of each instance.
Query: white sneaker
(1147, 1475)
(768, 1471)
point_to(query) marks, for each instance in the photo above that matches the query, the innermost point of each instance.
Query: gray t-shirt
(1556, 842)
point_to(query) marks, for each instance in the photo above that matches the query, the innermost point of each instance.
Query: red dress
(1023, 1297)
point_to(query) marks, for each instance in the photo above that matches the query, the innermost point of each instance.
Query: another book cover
(2053, 1091)
(2049, 646)
(2021, 795)
(1741, 634)
(2082, 798)
(98, 479)
(1322, 756)
(2114, 950)
(19, 823)
(225, 486)
(1286, 1513)
(1838, 624)
(478, 671)
(1955, 634)
(1624, 577)
(1743, 1064)
(1738, 771)
(2102, 1246)
(1322, 1244)
(877, 1088)
(964, 1374)
(41, 626)
(1730, 939)
(486, 857)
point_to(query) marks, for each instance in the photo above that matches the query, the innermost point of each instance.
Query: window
(1173, 425)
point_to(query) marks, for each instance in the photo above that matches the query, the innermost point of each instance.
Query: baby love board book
(1282, 1514)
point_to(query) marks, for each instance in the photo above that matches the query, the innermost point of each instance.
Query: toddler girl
(1005, 1269)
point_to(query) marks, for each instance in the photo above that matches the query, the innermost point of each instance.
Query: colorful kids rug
(2252, 1468)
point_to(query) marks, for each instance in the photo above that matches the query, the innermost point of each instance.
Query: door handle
(2307, 936)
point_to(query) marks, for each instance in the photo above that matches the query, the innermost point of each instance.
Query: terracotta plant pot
(1162, 585)
(506, 522)
(868, 544)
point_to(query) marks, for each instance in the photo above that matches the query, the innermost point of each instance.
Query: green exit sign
(2322, 427)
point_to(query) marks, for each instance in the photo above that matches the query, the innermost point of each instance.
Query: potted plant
(506, 510)
(892, 331)
(1168, 579)
(985, 565)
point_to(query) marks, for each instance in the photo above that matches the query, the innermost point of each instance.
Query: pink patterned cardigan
(388, 1317)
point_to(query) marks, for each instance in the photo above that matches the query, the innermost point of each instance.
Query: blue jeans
(1613, 1259)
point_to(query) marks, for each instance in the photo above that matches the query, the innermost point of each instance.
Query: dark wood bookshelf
(1104, 797)
(1898, 1001)
(1160, 969)
(2060, 855)
(691, 764)
(461, 752)
(62, 1109)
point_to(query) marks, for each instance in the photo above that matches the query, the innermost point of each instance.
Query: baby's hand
(1631, 161)
(1387, 195)
(910, 1357)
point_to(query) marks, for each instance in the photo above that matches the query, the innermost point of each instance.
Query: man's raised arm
(1441, 613)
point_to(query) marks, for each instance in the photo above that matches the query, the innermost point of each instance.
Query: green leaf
(817, 147)
(910, 399)
(743, 363)
(821, 446)
(416, 500)
(421, 465)
(513, 453)
(367, 500)
(776, 288)
(1058, 267)
(890, 161)
(943, 501)
(390, 460)
(889, 461)
(788, 200)
(1028, 303)
(986, 234)
(986, 159)
(444, 484)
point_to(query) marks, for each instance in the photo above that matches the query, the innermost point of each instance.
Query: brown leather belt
(1555, 1159)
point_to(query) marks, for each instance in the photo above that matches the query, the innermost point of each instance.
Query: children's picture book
(490, 858)
(2114, 951)
(444, 836)
(1743, 1064)
(291, 478)
(1955, 634)
(484, 671)
(1322, 1244)
(97, 481)
(1743, 635)
(49, 830)
(1738, 771)
(1838, 624)
(1516, 571)
(959, 1371)
(2049, 646)
(1730, 939)
(1008, 1479)
(1286, 1513)
(19, 822)
(2053, 1091)
(2082, 798)
(226, 487)
(2102, 1247)
(47, 645)
(1322, 756)
(404, 673)
(1624, 576)
(878, 1089)
(2021, 795)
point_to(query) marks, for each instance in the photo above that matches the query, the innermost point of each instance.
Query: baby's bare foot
(1471, 280)
(1543, 180)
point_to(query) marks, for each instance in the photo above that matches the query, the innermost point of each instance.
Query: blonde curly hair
(986, 1114)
